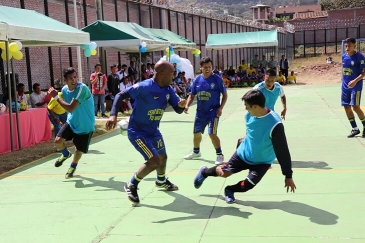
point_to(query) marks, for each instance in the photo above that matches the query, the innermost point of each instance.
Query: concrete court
(38, 205)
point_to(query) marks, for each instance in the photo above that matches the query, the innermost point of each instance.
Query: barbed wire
(327, 24)
(215, 14)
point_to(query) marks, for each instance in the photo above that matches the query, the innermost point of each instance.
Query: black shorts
(236, 164)
(81, 141)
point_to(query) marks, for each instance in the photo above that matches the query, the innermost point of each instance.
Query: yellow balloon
(167, 50)
(3, 55)
(93, 52)
(13, 47)
(18, 55)
(2, 45)
(198, 51)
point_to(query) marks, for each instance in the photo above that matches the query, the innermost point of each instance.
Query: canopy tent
(124, 36)
(242, 40)
(178, 42)
(34, 29)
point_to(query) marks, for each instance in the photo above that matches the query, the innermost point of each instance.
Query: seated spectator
(261, 69)
(56, 114)
(260, 77)
(244, 80)
(251, 70)
(226, 81)
(252, 79)
(21, 95)
(235, 81)
(281, 78)
(37, 98)
(292, 79)
(216, 71)
(231, 72)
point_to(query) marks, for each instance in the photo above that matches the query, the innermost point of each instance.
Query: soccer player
(353, 66)
(207, 87)
(151, 97)
(265, 140)
(272, 90)
(80, 125)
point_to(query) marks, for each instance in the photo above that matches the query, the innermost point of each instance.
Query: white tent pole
(78, 50)
(9, 94)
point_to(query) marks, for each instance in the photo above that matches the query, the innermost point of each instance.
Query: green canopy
(34, 29)
(124, 36)
(177, 42)
(242, 40)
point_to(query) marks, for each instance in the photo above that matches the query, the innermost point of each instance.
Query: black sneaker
(131, 191)
(70, 173)
(167, 185)
(62, 159)
(363, 133)
(354, 132)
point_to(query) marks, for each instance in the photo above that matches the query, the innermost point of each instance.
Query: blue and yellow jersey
(150, 102)
(352, 67)
(208, 92)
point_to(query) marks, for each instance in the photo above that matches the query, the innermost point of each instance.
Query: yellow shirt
(280, 79)
(226, 82)
(243, 66)
(54, 106)
(292, 78)
(250, 71)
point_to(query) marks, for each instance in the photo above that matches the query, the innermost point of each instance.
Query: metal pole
(16, 105)
(99, 13)
(78, 50)
(140, 67)
(10, 98)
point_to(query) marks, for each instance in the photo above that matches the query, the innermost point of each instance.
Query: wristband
(56, 97)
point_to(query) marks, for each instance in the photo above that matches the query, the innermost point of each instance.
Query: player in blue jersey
(150, 101)
(353, 72)
(208, 88)
(80, 125)
(272, 91)
(265, 140)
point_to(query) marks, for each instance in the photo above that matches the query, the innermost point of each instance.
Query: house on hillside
(261, 13)
(292, 11)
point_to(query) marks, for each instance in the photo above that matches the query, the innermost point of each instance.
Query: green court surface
(38, 205)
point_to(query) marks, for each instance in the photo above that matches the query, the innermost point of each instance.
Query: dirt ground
(309, 71)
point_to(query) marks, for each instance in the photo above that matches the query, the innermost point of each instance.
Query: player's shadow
(186, 205)
(315, 215)
(309, 164)
(109, 185)
(95, 152)
(177, 121)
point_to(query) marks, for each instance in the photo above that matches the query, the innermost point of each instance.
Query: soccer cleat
(192, 155)
(62, 159)
(131, 191)
(219, 160)
(167, 185)
(199, 178)
(363, 133)
(70, 173)
(229, 196)
(353, 133)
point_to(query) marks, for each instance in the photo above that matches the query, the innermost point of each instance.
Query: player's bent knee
(154, 162)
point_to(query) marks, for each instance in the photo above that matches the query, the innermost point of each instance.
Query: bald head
(164, 73)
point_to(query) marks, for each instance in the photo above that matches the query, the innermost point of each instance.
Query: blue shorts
(236, 164)
(201, 122)
(350, 97)
(148, 146)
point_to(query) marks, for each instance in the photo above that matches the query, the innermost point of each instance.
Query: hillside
(241, 7)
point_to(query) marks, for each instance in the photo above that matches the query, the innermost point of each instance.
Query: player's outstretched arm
(283, 155)
(188, 103)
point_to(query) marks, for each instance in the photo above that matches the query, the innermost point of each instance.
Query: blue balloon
(87, 53)
(171, 48)
(143, 49)
(13, 106)
(92, 46)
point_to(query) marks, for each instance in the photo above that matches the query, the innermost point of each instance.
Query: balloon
(93, 52)
(193, 51)
(87, 53)
(167, 50)
(143, 49)
(3, 55)
(18, 55)
(171, 48)
(198, 51)
(143, 44)
(13, 47)
(2, 45)
(20, 45)
(92, 45)
(85, 46)
(196, 55)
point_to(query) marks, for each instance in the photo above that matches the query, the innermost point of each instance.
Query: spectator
(37, 98)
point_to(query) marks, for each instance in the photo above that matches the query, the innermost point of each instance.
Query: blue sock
(65, 152)
(135, 179)
(353, 122)
(196, 150)
(218, 151)
(161, 178)
(73, 165)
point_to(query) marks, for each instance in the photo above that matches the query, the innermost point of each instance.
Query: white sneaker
(192, 155)
(220, 159)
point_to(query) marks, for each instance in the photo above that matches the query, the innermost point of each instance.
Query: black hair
(97, 65)
(35, 85)
(271, 72)
(20, 85)
(254, 97)
(205, 60)
(68, 71)
(350, 40)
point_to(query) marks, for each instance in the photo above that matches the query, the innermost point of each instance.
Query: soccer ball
(23, 105)
(2, 108)
(13, 106)
(123, 126)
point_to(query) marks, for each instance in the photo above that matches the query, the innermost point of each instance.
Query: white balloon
(19, 44)
(187, 68)
(143, 44)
